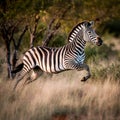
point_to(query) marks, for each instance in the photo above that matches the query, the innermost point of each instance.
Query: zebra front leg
(85, 67)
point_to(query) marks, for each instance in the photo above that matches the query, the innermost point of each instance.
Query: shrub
(58, 41)
(112, 72)
(103, 52)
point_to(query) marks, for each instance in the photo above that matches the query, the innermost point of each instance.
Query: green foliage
(10, 9)
(24, 11)
(112, 72)
(58, 41)
(96, 53)
(96, 56)
(111, 26)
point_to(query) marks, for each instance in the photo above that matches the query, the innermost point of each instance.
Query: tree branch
(16, 46)
(21, 36)
(33, 32)
(53, 27)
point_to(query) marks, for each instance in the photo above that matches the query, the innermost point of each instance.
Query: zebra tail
(18, 68)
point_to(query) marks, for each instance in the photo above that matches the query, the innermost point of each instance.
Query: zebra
(68, 57)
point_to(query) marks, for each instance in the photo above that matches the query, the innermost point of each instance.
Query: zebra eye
(89, 32)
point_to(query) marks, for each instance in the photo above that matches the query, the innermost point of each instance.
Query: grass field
(63, 96)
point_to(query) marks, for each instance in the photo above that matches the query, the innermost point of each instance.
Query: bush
(112, 72)
(58, 41)
(93, 54)
(111, 26)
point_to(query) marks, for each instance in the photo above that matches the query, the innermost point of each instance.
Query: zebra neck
(79, 44)
(77, 31)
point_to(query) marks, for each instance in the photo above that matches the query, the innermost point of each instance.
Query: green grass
(112, 72)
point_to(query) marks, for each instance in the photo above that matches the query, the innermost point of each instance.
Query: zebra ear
(91, 23)
(86, 24)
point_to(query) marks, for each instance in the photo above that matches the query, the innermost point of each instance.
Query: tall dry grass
(61, 97)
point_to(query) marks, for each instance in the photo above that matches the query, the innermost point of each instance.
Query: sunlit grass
(61, 96)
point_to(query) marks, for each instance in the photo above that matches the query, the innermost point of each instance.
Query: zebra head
(89, 33)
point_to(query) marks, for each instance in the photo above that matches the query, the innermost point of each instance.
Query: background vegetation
(28, 23)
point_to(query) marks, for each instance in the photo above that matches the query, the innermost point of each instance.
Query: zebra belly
(52, 68)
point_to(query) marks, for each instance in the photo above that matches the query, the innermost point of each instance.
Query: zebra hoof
(85, 78)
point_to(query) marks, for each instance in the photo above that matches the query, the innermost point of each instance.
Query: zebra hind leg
(85, 67)
(34, 75)
(20, 76)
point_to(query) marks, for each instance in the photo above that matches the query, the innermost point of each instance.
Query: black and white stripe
(48, 59)
(77, 30)
(53, 60)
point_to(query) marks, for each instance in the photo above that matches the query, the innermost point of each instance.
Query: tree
(10, 22)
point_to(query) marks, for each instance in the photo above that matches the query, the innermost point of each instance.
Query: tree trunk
(9, 67)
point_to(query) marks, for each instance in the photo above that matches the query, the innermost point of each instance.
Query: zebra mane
(74, 33)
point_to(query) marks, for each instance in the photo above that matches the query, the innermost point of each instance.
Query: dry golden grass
(61, 97)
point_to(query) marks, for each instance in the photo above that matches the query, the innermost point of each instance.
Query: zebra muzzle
(99, 42)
